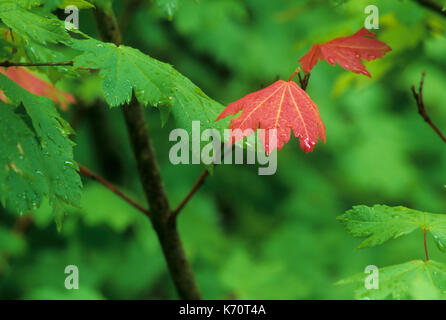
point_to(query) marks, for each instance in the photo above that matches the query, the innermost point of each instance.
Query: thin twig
(192, 191)
(88, 173)
(304, 81)
(422, 109)
(294, 73)
(8, 64)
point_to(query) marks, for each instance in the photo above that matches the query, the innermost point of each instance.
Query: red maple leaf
(347, 52)
(36, 85)
(283, 106)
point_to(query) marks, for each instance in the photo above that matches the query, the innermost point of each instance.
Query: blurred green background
(249, 236)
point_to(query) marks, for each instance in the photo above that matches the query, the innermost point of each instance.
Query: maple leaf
(36, 154)
(155, 83)
(413, 279)
(283, 106)
(36, 85)
(347, 52)
(381, 223)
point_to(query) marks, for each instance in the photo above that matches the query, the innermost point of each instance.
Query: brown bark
(161, 216)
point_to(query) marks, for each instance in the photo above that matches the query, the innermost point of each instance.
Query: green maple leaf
(124, 70)
(37, 34)
(31, 25)
(36, 153)
(411, 280)
(381, 223)
(19, 155)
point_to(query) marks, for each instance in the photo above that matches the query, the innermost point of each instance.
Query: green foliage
(416, 279)
(19, 157)
(45, 29)
(153, 82)
(41, 42)
(411, 280)
(28, 3)
(382, 223)
(37, 156)
(246, 236)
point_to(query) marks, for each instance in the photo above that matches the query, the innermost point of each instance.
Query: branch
(194, 189)
(8, 64)
(162, 220)
(88, 173)
(422, 109)
(304, 81)
(433, 6)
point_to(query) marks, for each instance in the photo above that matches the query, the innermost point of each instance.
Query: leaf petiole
(425, 244)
